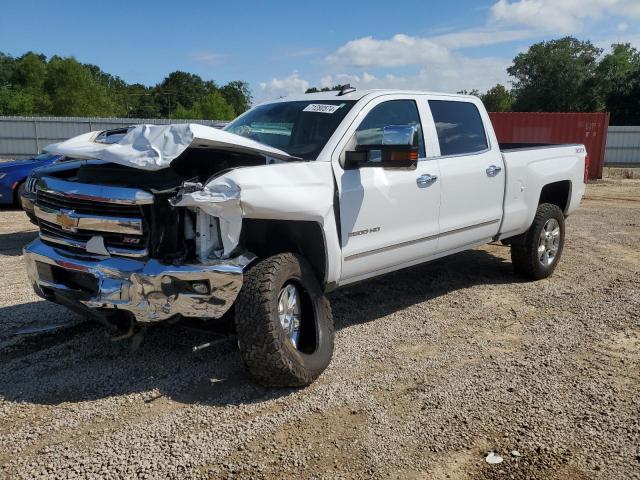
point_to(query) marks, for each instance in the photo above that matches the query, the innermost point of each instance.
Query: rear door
(388, 216)
(471, 171)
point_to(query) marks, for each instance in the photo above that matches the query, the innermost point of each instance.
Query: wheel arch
(16, 189)
(556, 193)
(266, 237)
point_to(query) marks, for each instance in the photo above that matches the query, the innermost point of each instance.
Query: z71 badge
(364, 232)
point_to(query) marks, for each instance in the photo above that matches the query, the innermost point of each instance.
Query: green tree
(185, 113)
(33, 85)
(74, 91)
(238, 95)
(325, 89)
(475, 92)
(498, 99)
(181, 88)
(15, 102)
(617, 65)
(214, 107)
(624, 103)
(30, 71)
(558, 75)
(139, 101)
(618, 75)
(29, 75)
(7, 66)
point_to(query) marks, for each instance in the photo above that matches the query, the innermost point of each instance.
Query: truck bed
(532, 166)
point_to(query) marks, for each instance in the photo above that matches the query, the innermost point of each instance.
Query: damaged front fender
(221, 199)
(296, 191)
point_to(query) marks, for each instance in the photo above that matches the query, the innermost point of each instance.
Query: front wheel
(284, 322)
(17, 194)
(536, 252)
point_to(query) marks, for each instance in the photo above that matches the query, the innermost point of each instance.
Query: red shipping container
(589, 129)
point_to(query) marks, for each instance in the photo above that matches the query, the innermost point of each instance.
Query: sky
(284, 47)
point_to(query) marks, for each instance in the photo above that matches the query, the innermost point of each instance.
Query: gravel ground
(434, 368)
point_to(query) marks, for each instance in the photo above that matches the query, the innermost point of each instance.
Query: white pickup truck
(293, 199)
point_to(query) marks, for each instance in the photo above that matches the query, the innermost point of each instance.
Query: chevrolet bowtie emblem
(67, 220)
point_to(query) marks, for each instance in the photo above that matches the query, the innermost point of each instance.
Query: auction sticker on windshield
(320, 108)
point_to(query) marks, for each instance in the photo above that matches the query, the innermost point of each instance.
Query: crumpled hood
(154, 147)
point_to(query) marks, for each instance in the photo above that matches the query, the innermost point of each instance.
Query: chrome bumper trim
(67, 242)
(150, 290)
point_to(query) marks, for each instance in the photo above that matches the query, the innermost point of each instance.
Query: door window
(459, 126)
(390, 113)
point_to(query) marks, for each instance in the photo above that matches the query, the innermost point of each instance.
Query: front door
(388, 216)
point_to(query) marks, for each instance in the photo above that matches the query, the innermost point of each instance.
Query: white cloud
(623, 27)
(208, 58)
(403, 50)
(326, 81)
(481, 37)
(367, 78)
(340, 79)
(564, 16)
(399, 50)
(459, 74)
(280, 87)
(440, 66)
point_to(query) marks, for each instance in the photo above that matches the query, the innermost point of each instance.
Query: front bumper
(150, 290)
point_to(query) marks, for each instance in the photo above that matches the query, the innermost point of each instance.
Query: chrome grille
(30, 185)
(49, 200)
(71, 214)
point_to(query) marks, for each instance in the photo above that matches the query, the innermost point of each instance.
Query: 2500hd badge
(364, 232)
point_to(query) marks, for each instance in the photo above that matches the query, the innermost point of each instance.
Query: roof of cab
(358, 94)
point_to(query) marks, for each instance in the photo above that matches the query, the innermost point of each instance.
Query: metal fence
(623, 147)
(24, 137)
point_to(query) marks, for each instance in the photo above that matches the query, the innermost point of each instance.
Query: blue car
(13, 175)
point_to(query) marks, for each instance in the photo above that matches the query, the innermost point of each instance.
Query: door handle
(493, 170)
(426, 180)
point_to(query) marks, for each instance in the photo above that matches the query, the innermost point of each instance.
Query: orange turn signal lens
(410, 155)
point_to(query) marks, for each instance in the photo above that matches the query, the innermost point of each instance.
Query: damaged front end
(118, 237)
(155, 231)
(104, 247)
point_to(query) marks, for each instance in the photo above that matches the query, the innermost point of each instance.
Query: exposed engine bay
(175, 234)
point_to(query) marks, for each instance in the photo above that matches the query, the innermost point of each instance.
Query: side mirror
(398, 149)
(400, 135)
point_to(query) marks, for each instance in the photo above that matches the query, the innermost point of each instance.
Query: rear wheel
(536, 253)
(284, 322)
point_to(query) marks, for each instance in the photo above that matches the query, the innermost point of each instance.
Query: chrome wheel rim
(289, 312)
(549, 242)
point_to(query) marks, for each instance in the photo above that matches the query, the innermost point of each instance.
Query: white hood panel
(154, 147)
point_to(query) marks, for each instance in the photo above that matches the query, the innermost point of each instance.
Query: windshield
(299, 128)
